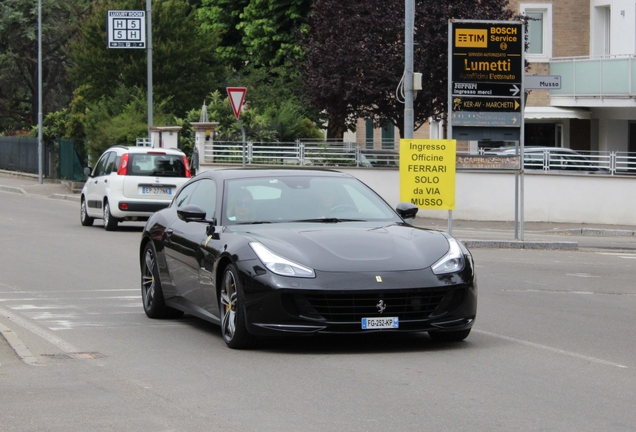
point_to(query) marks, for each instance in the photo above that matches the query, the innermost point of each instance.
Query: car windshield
(302, 198)
(157, 165)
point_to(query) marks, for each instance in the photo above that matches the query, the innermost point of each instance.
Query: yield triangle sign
(237, 96)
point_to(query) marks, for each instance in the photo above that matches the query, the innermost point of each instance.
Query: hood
(347, 247)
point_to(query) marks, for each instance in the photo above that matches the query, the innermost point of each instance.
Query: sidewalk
(28, 184)
(474, 234)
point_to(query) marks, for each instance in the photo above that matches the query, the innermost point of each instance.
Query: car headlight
(452, 262)
(279, 265)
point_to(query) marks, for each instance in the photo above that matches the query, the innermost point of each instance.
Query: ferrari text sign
(427, 173)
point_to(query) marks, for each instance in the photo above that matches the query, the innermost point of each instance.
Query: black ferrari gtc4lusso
(271, 252)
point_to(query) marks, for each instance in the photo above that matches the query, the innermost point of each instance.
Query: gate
(70, 165)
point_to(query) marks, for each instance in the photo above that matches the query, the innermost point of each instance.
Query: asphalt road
(552, 348)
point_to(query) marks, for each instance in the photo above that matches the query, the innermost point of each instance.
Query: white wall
(613, 135)
(623, 20)
(588, 199)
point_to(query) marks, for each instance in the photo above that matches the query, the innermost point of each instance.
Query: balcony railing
(597, 77)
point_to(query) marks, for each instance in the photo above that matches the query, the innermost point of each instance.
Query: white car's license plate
(380, 323)
(156, 190)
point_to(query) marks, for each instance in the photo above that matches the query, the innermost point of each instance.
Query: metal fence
(351, 154)
(21, 154)
(348, 154)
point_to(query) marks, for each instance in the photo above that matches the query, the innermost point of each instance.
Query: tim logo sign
(471, 38)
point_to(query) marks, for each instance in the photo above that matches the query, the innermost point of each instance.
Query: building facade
(591, 44)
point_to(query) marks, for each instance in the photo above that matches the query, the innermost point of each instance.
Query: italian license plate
(156, 190)
(380, 323)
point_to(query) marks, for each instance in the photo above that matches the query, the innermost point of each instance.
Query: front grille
(349, 307)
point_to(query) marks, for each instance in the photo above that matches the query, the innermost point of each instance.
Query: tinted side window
(101, 165)
(111, 163)
(205, 197)
(184, 196)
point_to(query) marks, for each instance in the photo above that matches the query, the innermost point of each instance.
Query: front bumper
(337, 302)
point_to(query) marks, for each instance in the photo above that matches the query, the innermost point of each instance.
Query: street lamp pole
(40, 125)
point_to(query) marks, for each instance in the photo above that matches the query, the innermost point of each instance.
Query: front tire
(85, 219)
(449, 336)
(110, 222)
(151, 292)
(233, 326)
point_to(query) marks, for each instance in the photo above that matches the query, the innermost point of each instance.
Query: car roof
(238, 173)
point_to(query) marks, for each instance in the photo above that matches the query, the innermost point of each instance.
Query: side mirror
(407, 211)
(87, 171)
(191, 213)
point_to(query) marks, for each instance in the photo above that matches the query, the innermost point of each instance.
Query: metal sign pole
(409, 23)
(521, 136)
(149, 56)
(244, 140)
(449, 110)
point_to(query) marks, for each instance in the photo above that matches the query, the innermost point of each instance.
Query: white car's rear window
(159, 165)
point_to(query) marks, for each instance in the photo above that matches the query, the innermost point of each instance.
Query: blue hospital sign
(126, 29)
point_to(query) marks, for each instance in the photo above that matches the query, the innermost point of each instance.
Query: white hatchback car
(131, 183)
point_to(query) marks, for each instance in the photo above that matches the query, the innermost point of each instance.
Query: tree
(222, 17)
(19, 58)
(185, 67)
(259, 39)
(355, 57)
(119, 118)
(256, 32)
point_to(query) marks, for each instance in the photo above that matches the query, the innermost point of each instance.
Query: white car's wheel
(85, 219)
(110, 222)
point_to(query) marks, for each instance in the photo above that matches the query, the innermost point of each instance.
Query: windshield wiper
(254, 223)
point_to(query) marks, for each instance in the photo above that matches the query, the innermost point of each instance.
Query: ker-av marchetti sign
(486, 72)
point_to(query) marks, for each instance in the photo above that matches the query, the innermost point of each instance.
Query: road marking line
(550, 349)
(44, 334)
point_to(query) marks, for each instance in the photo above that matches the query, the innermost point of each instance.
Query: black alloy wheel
(233, 327)
(151, 292)
(110, 222)
(85, 219)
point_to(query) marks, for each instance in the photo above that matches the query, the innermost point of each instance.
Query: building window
(539, 31)
(368, 133)
(601, 26)
(388, 136)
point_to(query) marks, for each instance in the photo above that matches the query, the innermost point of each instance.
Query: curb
(498, 244)
(18, 346)
(65, 197)
(594, 232)
(13, 189)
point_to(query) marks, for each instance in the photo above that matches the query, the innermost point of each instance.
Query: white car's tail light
(188, 173)
(123, 166)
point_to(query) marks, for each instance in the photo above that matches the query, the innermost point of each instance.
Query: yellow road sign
(427, 173)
